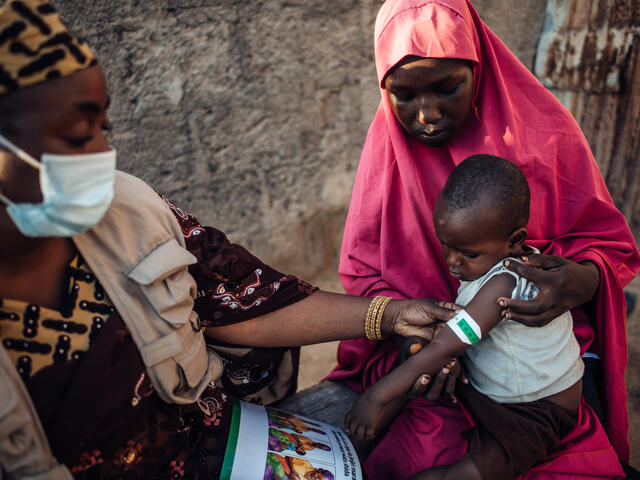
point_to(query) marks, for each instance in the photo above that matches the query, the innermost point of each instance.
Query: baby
(525, 383)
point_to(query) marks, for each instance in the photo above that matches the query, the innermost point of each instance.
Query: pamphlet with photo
(271, 444)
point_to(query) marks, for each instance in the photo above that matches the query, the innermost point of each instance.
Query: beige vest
(137, 251)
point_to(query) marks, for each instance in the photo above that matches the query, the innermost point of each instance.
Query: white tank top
(514, 363)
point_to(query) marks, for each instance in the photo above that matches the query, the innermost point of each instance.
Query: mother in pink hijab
(450, 89)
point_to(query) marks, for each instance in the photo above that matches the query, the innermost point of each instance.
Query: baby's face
(472, 241)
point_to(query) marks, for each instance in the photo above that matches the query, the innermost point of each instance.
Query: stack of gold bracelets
(373, 319)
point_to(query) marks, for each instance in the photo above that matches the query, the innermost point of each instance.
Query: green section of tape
(232, 443)
(468, 331)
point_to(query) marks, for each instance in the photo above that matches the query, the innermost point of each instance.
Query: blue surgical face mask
(76, 193)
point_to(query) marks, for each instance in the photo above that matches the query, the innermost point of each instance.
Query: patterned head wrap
(35, 46)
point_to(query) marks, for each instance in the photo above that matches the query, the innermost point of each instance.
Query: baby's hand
(364, 417)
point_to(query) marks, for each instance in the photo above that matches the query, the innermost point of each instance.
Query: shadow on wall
(308, 247)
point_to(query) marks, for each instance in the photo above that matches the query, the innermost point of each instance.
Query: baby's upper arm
(483, 308)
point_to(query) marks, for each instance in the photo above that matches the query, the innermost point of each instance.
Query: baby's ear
(516, 241)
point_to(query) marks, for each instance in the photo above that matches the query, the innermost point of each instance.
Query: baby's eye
(470, 255)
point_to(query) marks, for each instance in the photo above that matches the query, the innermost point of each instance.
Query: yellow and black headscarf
(35, 45)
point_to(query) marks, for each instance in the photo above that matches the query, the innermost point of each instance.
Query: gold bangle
(369, 320)
(383, 305)
(374, 314)
(373, 318)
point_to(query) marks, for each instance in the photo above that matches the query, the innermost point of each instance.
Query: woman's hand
(414, 314)
(444, 383)
(419, 317)
(563, 285)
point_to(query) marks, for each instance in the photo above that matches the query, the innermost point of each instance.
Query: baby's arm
(366, 415)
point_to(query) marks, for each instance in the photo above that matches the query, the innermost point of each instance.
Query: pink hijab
(389, 245)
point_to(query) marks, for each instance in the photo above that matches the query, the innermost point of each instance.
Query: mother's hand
(419, 317)
(443, 384)
(424, 318)
(563, 285)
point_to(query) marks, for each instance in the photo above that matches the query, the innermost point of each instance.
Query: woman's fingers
(437, 385)
(562, 285)
(452, 307)
(419, 386)
(439, 312)
(450, 383)
(525, 307)
(413, 345)
(532, 313)
(370, 433)
(530, 320)
(536, 275)
(463, 376)
(409, 345)
(444, 382)
(418, 317)
(546, 262)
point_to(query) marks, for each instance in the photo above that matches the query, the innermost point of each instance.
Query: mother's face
(431, 97)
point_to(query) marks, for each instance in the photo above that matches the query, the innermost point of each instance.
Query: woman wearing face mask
(105, 288)
(451, 89)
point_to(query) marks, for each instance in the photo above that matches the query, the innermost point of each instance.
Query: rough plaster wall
(518, 24)
(249, 114)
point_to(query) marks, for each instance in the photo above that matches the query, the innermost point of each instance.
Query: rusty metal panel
(586, 44)
(589, 55)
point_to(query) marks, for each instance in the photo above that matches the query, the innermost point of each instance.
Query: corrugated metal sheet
(589, 55)
(585, 44)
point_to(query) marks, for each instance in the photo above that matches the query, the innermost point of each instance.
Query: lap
(425, 434)
(510, 438)
(422, 435)
(428, 434)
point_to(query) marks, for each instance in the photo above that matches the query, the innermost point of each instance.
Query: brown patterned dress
(88, 383)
